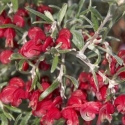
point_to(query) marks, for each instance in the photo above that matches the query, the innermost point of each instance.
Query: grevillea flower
(89, 110)
(30, 49)
(43, 65)
(42, 108)
(25, 66)
(123, 120)
(9, 34)
(105, 112)
(77, 98)
(18, 20)
(93, 84)
(5, 56)
(13, 93)
(41, 8)
(120, 103)
(51, 115)
(101, 95)
(64, 38)
(36, 33)
(22, 12)
(71, 116)
(48, 43)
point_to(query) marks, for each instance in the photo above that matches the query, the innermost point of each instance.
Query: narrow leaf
(17, 119)
(49, 15)
(62, 13)
(15, 5)
(49, 90)
(14, 109)
(4, 120)
(38, 14)
(95, 80)
(26, 118)
(95, 22)
(77, 39)
(74, 81)
(2, 8)
(15, 56)
(54, 64)
(96, 13)
(92, 47)
(80, 5)
(11, 26)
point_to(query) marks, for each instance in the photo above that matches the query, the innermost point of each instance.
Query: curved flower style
(30, 49)
(89, 110)
(120, 103)
(71, 116)
(105, 112)
(13, 93)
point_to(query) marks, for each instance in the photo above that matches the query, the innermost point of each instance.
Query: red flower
(16, 81)
(51, 115)
(48, 43)
(123, 120)
(71, 116)
(89, 110)
(30, 49)
(34, 99)
(9, 34)
(18, 20)
(43, 8)
(64, 38)
(36, 33)
(42, 108)
(65, 33)
(105, 112)
(5, 56)
(44, 66)
(101, 95)
(47, 27)
(22, 12)
(13, 93)
(120, 103)
(65, 42)
(25, 66)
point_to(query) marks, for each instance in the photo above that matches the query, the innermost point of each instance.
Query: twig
(62, 90)
(107, 18)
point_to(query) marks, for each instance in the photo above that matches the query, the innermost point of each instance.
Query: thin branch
(107, 18)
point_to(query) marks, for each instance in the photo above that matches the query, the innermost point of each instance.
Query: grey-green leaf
(74, 81)
(80, 5)
(42, 16)
(62, 13)
(15, 56)
(95, 22)
(15, 5)
(11, 26)
(54, 63)
(25, 119)
(4, 120)
(77, 39)
(13, 109)
(96, 13)
(17, 119)
(49, 90)
(2, 8)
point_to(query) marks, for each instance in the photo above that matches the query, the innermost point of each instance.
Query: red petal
(16, 81)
